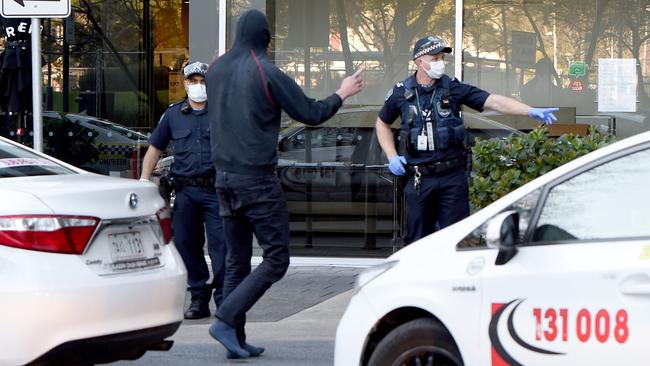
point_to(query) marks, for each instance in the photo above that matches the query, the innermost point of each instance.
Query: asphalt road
(295, 321)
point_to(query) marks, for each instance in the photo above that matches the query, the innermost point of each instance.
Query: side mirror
(503, 233)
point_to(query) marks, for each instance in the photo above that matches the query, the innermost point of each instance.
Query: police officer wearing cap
(186, 125)
(432, 151)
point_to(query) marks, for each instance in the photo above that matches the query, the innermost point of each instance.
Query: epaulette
(184, 106)
(390, 91)
(176, 103)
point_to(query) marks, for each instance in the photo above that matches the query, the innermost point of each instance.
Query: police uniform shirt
(460, 94)
(188, 130)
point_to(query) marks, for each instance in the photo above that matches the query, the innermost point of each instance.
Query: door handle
(638, 285)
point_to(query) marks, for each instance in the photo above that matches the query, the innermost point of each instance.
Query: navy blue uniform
(432, 138)
(196, 201)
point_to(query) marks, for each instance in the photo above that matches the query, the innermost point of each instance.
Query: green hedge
(499, 166)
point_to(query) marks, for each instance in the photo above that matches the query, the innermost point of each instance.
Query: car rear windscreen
(20, 162)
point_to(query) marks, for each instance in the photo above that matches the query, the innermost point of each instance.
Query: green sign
(577, 69)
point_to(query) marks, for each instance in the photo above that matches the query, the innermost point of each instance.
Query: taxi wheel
(418, 342)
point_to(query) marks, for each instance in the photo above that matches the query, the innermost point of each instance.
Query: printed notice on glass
(617, 82)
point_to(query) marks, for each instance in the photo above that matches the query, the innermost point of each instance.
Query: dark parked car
(335, 176)
(88, 142)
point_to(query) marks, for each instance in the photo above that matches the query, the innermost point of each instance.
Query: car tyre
(417, 342)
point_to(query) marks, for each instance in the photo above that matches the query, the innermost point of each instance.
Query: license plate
(126, 246)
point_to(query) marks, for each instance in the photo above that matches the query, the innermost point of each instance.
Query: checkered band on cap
(195, 68)
(430, 46)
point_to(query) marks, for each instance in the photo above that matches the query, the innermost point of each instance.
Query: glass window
(339, 193)
(611, 201)
(546, 53)
(19, 162)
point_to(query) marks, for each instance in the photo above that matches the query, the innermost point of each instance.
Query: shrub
(499, 166)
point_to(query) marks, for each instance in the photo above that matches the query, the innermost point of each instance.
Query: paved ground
(295, 320)
(306, 338)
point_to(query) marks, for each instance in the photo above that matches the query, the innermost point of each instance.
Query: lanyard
(417, 97)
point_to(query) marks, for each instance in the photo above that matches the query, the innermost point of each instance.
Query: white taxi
(88, 273)
(555, 273)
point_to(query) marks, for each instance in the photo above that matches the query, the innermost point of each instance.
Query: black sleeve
(290, 97)
(469, 95)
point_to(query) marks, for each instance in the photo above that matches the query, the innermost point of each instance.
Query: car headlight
(371, 273)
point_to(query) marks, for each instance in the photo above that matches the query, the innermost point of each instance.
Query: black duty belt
(196, 181)
(439, 166)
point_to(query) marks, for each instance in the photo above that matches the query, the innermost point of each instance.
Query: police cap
(195, 68)
(430, 46)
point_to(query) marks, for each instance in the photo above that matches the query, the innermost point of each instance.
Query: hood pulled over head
(253, 31)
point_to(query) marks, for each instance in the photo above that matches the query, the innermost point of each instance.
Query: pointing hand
(543, 114)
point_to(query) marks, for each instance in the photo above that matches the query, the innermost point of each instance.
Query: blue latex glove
(396, 165)
(543, 114)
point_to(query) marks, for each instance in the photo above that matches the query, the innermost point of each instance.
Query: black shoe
(197, 310)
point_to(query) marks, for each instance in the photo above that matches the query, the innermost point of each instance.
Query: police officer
(186, 125)
(432, 150)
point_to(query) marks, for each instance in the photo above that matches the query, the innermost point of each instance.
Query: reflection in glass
(546, 54)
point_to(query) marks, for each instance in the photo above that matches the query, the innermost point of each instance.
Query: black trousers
(442, 200)
(194, 207)
(251, 205)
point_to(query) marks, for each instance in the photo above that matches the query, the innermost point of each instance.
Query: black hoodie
(246, 94)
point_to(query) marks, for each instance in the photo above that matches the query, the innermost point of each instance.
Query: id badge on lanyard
(425, 139)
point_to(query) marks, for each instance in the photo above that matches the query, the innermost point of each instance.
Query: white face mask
(197, 93)
(436, 69)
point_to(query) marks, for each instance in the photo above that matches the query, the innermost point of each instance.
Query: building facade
(121, 60)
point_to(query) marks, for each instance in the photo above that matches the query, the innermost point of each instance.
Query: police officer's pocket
(451, 136)
(181, 140)
(459, 134)
(444, 136)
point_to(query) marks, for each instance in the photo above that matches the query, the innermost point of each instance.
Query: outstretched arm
(507, 105)
(290, 97)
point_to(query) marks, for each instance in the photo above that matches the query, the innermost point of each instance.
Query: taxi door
(577, 289)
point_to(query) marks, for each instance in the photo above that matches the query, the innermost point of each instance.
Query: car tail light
(57, 234)
(165, 220)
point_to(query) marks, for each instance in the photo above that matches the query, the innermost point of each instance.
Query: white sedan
(555, 273)
(87, 270)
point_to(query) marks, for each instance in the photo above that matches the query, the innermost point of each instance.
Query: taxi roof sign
(35, 8)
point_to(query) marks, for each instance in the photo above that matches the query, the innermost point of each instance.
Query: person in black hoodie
(247, 94)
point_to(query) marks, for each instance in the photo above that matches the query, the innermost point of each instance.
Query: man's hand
(396, 165)
(543, 114)
(351, 85)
